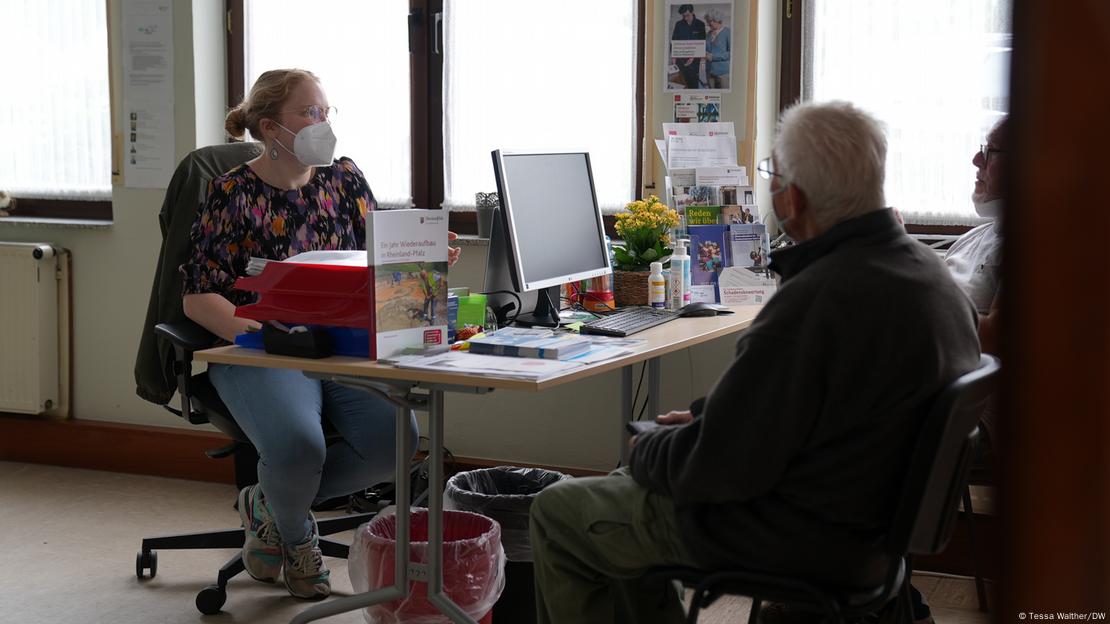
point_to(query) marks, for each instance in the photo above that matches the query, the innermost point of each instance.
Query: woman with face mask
(293, 198)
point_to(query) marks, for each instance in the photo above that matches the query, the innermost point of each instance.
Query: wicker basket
(630, 288)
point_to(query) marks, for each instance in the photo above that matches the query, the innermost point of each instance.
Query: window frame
(75, 209)
(62, 209)
(426, 102)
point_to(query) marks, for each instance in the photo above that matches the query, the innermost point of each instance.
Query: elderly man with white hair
(793, 462)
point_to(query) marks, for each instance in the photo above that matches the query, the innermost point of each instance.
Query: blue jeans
(281, 412)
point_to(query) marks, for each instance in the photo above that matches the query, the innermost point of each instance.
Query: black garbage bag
(505, 494)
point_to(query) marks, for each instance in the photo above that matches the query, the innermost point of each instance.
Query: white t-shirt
(975, 261)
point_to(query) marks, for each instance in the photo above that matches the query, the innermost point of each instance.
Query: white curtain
(360, 52)
(535, 76)
(55, 115)
(936, 72)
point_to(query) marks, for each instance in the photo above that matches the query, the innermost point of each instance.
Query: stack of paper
(602, 348)
(534, 369)
(255, 266)
(338, 258)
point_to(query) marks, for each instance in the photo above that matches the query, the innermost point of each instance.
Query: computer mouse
(701, 308)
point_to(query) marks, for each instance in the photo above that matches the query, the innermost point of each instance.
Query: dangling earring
(273, 153)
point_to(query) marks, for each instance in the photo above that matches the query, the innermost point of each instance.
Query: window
(364, 67)
(487, 75)
(57, 130)
(936, 73)
(532, 76)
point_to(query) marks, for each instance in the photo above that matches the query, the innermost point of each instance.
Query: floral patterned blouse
(244, 217)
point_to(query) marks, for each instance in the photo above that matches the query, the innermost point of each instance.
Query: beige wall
(113, 267)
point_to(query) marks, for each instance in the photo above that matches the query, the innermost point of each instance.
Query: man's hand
(453, 253)
(675, 417)
(670, 418)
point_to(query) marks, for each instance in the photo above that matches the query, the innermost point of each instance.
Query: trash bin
(473, 566)
(505, 493)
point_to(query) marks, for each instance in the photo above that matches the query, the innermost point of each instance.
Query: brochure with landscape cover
(407, 252)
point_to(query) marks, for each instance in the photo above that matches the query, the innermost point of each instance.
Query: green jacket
(154, 376)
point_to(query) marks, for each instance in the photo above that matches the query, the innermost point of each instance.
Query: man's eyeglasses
(314, 112)
(766, 169)
(986, 150)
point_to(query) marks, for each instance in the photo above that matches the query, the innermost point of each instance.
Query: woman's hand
(453, 253)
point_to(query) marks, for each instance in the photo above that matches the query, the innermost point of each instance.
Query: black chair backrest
(154, 375)
(938, 468)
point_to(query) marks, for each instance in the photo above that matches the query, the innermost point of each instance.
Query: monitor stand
(545, 314)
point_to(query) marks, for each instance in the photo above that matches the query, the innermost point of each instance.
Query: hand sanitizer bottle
(680, 272)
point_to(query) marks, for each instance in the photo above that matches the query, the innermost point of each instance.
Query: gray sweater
(794, 463)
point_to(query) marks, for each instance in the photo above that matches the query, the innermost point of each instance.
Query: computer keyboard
(628, 321)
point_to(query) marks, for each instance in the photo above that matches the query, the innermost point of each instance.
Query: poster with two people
(700, 46)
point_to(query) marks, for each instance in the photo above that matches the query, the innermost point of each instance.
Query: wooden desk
(417, 389)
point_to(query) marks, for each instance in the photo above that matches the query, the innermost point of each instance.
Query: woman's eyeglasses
(314, 112)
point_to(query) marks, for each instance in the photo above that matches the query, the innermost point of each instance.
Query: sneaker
(262, 546)
(306, 576)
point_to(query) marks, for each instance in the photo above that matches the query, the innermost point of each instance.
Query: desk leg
(655, 384)
(435, 514)
(626, 411)
(400, 588)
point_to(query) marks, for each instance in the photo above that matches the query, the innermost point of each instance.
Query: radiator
(34, 323)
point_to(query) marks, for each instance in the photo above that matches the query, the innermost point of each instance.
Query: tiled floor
(68, 540)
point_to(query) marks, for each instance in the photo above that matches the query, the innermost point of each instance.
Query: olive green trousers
(593, 540)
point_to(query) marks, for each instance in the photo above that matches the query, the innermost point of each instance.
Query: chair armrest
(186, 337)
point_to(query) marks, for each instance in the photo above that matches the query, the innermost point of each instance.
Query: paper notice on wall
(697, 107)
(148, 126)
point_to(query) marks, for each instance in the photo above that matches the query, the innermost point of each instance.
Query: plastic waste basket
(505, 493)
(473, 566)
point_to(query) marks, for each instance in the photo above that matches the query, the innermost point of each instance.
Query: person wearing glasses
(975, 259)
(793, 462)
(294, 197)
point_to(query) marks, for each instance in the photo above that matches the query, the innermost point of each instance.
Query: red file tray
(304, 294)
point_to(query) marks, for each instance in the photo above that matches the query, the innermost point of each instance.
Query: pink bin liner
(473, 566)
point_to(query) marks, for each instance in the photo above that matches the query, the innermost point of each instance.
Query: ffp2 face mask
(313, 146)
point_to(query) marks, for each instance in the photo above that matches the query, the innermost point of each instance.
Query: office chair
(178, 338)
(922, 521)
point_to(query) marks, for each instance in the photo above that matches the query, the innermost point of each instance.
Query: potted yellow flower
(645, 234)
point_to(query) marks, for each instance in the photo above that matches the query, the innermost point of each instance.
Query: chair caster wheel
(211, 599)
(146, 561)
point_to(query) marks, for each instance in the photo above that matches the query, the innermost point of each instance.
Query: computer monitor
(548, 231)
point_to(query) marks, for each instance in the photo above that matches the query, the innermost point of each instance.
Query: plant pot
(630, 288)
